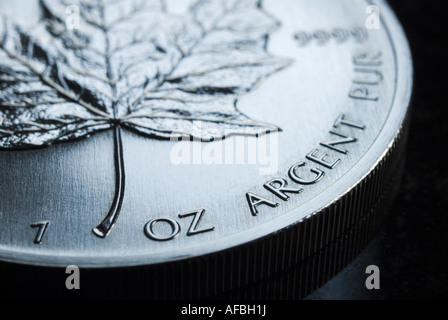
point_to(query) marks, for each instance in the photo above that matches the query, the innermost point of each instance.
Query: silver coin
(247, 135)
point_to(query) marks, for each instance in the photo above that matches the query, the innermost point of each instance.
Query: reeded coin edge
(388, 133)
(296, 260)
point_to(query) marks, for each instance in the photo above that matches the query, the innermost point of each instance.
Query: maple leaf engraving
(133, 65)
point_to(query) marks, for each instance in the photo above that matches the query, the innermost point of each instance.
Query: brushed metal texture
(280, 252)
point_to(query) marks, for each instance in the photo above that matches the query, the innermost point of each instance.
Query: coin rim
(387, 136)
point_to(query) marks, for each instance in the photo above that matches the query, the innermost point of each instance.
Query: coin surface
(229, 140)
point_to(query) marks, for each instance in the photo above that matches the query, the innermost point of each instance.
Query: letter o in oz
(149, 229)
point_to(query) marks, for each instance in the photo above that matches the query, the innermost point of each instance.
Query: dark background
(411, 248)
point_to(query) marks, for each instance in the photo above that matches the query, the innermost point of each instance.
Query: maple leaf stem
(104, 228)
